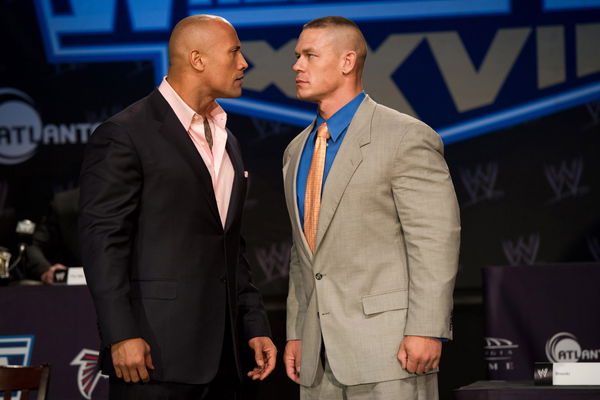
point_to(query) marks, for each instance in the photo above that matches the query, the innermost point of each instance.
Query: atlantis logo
(501, 63)
(499, 353)
(22, 130)
(564, 347)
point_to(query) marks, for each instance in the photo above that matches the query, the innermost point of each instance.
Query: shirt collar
(185, 113)
(339, 121)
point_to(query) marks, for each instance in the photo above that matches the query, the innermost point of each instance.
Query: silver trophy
(4, 263)
(24, 228)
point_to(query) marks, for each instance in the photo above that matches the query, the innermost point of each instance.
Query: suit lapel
(346, 161)
(291, 175)
(172, 130)
(237, 191)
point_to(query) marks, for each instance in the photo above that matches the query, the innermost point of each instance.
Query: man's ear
(196, 61)
(349, 62)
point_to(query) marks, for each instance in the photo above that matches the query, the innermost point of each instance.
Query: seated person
(55, 243)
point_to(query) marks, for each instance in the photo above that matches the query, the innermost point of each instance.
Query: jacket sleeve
(428, 211)
(253, 315)
(296, 303)
(111, 181)
(42, 247)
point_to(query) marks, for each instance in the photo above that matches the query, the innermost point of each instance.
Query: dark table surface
(524, 390)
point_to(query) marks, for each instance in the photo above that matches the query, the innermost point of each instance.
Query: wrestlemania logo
(466, 67)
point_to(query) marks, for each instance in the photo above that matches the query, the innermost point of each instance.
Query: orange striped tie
(312, 196)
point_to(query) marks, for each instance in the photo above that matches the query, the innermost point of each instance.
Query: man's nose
(297, 67)
(244, 63)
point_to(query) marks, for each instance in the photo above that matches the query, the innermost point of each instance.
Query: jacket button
(223, 279)
(318, 276)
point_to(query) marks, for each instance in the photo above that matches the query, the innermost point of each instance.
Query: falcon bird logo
(88, 372)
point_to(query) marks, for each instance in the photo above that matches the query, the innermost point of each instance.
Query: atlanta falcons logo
(88, 373)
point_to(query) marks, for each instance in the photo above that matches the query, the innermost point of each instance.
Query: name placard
(567, 374)
(76, 276)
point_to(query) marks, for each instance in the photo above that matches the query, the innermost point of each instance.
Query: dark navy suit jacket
(158, 261)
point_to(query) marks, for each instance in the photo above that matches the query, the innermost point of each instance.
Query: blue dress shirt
(337, 126)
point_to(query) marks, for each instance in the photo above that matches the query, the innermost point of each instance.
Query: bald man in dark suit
(162, 193)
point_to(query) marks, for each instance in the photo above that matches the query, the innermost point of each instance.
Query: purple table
(62, 322)
(540, 313)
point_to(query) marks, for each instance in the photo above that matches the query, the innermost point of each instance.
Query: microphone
(24, 230)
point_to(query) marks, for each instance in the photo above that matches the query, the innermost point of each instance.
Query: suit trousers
(225, 385)
(327, 387)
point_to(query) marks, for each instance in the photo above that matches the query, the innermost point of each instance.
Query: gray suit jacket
(386, 252)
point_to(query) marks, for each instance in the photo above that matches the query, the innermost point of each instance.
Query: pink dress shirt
(217, 162)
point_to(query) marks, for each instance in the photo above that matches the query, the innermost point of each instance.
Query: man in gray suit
(375, 226)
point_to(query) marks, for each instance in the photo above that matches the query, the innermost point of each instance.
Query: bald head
(205, 61)
(345, 35)
(196, 32)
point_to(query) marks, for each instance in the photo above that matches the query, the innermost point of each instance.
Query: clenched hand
(419, 354)
(131, 358)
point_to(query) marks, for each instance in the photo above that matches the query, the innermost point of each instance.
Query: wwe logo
(274, 261)
(268, 128)
(543, 372)
(480, 183)
(88, 373)
(594, 110)
(594, 246)
(565, 179)
(523, 252)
